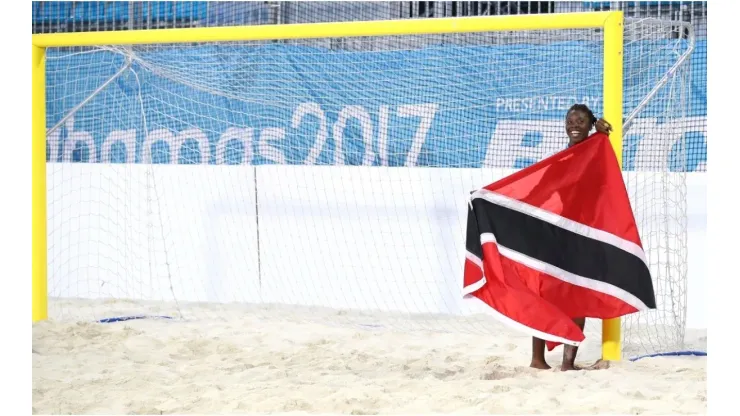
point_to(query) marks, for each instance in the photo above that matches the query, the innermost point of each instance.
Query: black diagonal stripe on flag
(564, 245)
(565, 249)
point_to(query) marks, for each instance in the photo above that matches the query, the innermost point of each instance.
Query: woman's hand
(602, 126)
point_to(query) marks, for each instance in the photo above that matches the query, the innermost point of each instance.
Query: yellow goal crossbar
(612, 24)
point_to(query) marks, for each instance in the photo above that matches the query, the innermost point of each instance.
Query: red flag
(555, 241)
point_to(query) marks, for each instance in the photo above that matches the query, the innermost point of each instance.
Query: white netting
(656, 158)
(333, 172)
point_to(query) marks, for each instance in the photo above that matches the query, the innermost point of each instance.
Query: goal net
(185, 179)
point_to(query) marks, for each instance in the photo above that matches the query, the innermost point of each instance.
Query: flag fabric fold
(556, 241)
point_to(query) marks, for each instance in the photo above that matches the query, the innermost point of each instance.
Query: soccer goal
(328, 165)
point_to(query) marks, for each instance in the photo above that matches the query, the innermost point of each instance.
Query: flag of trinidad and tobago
(557, 241)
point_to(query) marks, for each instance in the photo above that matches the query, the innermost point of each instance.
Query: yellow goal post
(612, 24)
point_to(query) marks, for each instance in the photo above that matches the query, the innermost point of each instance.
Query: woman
(579, 121)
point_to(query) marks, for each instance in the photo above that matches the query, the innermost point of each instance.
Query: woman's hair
(585, 109)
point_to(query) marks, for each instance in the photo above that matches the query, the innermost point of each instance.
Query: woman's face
(577, 125)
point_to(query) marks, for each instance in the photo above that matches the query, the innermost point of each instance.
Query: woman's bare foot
(599, 365)
(540, 365)
(569, 367)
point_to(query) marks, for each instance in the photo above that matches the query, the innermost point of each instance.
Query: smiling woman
(578, 123)
(579, 120)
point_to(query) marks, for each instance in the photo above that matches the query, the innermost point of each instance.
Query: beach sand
(267, 359)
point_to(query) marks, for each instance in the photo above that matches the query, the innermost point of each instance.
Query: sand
(273, 359)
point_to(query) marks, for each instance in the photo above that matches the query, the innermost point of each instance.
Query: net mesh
(334, 173)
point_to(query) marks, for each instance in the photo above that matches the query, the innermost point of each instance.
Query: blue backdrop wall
(290, 101)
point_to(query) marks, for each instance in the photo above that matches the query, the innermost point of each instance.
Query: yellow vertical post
(611, 338)
(38, 168)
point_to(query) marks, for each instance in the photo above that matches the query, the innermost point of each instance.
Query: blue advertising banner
(440, 106)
